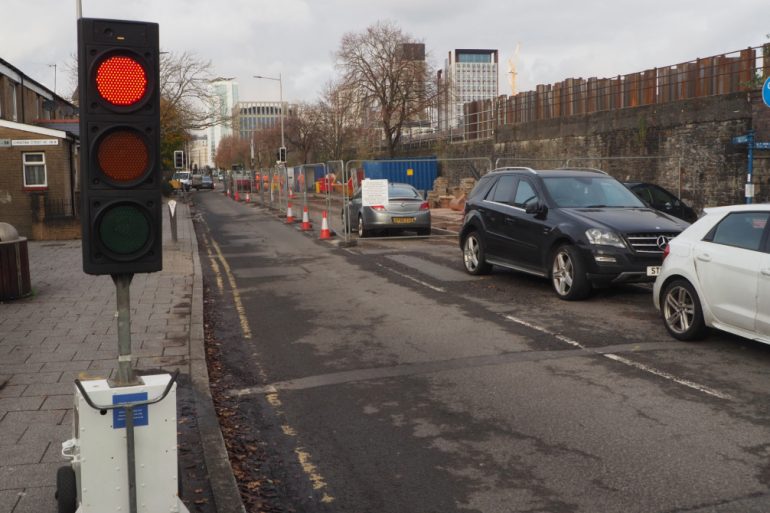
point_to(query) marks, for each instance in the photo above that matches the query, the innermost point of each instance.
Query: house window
(34, 170)
(14, 111)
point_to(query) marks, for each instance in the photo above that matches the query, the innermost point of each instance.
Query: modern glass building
(468, 75)
(226, 96)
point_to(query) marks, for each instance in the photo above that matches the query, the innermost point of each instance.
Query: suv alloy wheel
(473, 255)
(568, 275)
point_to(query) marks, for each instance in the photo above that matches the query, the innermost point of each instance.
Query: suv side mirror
(535, 207)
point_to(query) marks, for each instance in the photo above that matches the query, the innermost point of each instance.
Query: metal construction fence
(326, 188)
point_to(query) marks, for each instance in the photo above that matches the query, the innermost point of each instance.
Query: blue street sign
(766, 92)
(762, 145)
(741, 139)
(141, 417)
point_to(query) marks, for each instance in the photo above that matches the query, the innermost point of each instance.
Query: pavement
(67, 327)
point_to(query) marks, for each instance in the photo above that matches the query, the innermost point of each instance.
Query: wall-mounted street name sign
(35, 142)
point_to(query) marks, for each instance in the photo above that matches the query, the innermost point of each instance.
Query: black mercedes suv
(580, 228)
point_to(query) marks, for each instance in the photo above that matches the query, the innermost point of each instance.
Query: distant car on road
(405, 210)
(579, 228)
(206, 182)
(716, 274)
(661, 199)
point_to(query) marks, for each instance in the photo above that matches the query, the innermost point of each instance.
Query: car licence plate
(653, 270)
(403, 220)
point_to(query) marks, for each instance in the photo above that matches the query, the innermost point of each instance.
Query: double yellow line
(217, 260)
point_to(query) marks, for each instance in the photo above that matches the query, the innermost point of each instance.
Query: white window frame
(14, 99)
(24, 165)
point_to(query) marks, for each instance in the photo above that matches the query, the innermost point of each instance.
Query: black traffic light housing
(120, 165)
(178, 159)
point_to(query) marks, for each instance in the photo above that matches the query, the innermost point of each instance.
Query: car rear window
(403, 192)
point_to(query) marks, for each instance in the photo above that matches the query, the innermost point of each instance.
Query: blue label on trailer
(766, 92)
(141, 416)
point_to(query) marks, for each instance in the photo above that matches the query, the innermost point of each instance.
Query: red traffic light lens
(121, 80)
(123, 156)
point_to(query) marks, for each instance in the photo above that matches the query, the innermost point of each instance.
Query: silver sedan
(405, 210)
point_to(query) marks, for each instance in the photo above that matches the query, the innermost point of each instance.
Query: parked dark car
(661, 199)
(405, 210)
(207, 182)
(579, 228)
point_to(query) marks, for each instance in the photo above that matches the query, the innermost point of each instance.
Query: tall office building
(250, 117)
(468, 75)
(226, 96)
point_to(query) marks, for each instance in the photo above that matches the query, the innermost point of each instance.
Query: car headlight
(604, 238)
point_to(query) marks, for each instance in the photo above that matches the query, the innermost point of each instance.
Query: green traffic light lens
(124, 230)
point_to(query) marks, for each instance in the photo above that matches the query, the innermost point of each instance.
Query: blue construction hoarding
(420, 173)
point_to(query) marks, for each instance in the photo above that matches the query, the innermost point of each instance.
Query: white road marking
(420, 282)
(625, 361)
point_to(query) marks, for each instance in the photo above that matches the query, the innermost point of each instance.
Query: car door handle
(705, 257)
(508, 220)
(766, 272)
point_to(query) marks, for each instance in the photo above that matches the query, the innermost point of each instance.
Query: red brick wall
(16, 205)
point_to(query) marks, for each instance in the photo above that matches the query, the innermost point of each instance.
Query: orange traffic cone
(325, 232)
(305, 226)
(289, 215)
(237, 196)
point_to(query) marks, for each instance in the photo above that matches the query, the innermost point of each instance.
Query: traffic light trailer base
(123, 456)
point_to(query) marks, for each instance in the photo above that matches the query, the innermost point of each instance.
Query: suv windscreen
(590, 192)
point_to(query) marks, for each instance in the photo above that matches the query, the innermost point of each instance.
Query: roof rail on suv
(578, 168)
(517, 168)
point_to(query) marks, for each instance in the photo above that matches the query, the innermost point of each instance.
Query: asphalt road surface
(381, 378)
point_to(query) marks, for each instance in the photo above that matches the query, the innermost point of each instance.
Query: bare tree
(302, 131)
(233, 150)
(185, 88)
(338, 122)
(387, 82)
(265, 143)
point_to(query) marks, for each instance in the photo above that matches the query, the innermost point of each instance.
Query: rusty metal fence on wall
(717, 75)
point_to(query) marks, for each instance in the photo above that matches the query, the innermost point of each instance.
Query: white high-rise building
(226, 96)
(468, 75)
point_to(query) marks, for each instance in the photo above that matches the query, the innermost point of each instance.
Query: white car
(716, 274)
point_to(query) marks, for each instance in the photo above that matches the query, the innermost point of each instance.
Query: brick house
(39, 187)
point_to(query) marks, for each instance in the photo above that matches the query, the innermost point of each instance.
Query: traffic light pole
(126, 376)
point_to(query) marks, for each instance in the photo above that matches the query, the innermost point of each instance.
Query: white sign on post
(374, 192)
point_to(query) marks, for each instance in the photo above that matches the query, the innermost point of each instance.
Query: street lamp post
(280, 101)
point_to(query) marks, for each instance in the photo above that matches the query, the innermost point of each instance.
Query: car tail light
(425, 206)
(666, 250)
(378, 208)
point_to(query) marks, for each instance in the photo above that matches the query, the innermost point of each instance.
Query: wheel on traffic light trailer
(66, 490)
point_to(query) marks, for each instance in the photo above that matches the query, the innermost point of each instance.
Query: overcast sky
(298, 38)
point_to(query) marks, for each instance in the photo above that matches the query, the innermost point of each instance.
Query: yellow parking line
(303, 456)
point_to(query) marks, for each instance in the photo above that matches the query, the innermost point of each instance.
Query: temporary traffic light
(120, 146)
(282, 154)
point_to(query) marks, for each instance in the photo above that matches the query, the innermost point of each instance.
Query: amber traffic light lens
(123, 156)
(121, 80)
